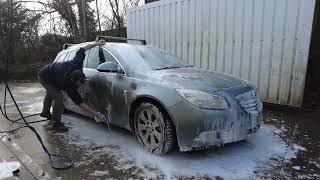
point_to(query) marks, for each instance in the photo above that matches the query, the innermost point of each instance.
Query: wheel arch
(145, 98)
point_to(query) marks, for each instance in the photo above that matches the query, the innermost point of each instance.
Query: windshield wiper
(188, 66)
(174, 67)
(169, 67)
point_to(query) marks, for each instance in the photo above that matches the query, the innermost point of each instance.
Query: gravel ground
(287, 146)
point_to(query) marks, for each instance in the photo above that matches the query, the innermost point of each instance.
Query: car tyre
(154, 130)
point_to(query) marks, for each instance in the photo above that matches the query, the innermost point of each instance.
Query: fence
(263, 41)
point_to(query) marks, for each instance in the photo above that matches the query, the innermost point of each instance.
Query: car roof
(115, 44)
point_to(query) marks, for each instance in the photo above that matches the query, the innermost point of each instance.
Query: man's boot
(46, 115)
(49, 117)
(58, 126)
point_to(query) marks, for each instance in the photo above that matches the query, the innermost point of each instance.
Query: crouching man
(65, 76)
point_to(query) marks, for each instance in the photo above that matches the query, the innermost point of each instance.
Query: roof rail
(120, 39)
(66, 45)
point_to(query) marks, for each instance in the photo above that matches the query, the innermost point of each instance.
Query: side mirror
(120, 70)
(110, 67)
(107, 67)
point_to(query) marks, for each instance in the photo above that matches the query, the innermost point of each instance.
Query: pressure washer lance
(98, 120)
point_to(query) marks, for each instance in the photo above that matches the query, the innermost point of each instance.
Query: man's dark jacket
(57, 75)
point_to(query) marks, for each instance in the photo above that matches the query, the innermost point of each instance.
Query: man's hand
(89, 46)
(94, 113)
(100, 116)
(101, 42)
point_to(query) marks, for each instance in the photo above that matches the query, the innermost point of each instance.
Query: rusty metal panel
(263, 41)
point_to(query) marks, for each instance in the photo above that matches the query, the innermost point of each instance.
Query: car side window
(93, 58)
(67, 56)
(72, 54)
(61, 57)
(85, 62)
(108, 57)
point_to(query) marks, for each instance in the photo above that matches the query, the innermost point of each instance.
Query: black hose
(4, 111)
(27, 124)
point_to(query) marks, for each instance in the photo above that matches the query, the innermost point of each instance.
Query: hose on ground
(26, 124)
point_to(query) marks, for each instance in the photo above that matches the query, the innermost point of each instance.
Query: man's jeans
(53, 98)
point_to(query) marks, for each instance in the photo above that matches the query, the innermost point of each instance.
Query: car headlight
(203, 99)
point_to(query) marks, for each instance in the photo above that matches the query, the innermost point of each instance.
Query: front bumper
(201, 128)
(220, 137)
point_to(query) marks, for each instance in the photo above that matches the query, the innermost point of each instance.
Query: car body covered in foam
(206, 108)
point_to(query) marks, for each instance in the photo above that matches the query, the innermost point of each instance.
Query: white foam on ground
(6, 168)
(296, 167)
(26, 104)
(232, 162)
(34, 108)
(99, 173)
(30, 90)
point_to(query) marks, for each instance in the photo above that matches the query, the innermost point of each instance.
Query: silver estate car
(165, 102)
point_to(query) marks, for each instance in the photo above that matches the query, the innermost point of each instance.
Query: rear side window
(61, 57)
(93, 60)
(72, 54)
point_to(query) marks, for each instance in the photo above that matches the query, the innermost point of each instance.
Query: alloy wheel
(149, 128)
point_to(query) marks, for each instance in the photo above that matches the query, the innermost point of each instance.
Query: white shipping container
(263, 41)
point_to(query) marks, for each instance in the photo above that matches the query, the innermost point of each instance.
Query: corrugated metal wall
(263, 41)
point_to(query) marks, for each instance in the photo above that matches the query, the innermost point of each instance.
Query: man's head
(77, 77)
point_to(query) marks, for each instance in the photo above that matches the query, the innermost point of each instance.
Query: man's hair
(77, 75)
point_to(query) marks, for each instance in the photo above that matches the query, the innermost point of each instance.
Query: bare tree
(129, 4)
(17, 24)
(134, 3)
(64, 8)
(119, 13)
(117, 17)
(98, 16)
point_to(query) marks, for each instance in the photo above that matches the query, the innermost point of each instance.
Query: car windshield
(146, 56)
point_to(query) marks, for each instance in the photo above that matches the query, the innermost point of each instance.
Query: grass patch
(24, 71)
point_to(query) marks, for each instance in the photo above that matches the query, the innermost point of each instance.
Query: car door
(100, 84)
(92, 91)
(84, 90)
(107, 90)
(119, 93)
